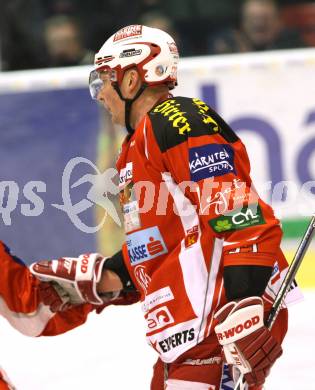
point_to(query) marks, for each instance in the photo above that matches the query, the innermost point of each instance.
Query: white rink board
(109, 352)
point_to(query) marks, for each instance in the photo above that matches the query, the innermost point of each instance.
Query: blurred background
(46, 33)
(253, 61)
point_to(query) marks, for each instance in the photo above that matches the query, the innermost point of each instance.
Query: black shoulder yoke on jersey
(177, 118)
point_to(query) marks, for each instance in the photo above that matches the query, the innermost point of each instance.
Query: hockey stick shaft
(292, 271)
(286, 284)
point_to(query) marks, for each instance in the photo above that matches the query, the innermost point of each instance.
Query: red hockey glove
(53, 296)
(246, 341)
(74, 279)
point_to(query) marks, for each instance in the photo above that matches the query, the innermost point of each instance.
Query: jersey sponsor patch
(142, 277)
(156, 298)
(191, 236)
(131, 216)
(211, 160)
(125, 174)
(177, 339)
(218, 203)
(128, 199)
(238, 219)
(145, 245)
(158, 319)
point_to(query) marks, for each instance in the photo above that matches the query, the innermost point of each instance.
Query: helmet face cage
(151, 51)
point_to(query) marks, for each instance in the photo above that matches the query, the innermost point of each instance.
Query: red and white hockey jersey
(189, 210)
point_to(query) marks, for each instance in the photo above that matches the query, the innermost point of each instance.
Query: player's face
(108, 96)
(110, 99)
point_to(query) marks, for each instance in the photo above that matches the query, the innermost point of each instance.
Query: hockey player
(200, 244)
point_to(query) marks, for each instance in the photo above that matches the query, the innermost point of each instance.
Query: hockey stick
(286, 284)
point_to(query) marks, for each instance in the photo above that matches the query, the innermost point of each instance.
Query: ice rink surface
(109, 352)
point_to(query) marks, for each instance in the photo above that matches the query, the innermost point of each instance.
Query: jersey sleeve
(209, 163)
(62, 322)
(20, 302)
(18, 287)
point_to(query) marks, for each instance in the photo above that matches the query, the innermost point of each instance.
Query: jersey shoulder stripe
(177, 118)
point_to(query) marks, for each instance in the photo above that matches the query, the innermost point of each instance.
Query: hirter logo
(238, 328)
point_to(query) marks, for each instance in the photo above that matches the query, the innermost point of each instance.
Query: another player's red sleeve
(20, 302)
(77, 315)
(62, 322)
(18, 288)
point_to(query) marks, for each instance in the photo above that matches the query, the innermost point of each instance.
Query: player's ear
(134, 80)
(131, 83)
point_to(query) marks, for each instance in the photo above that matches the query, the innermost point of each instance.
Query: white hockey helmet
(152, 51)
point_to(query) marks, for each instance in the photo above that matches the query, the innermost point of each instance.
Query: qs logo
(102, 185)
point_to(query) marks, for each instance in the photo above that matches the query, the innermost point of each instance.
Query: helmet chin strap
(128, 104)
